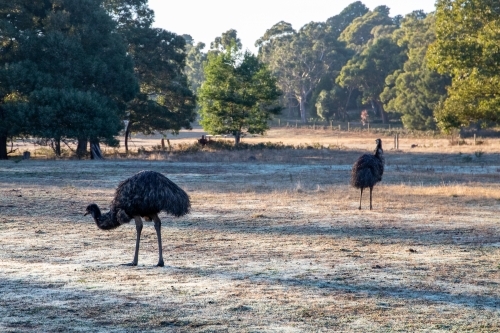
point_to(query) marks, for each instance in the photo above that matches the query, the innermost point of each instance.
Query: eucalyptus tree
(414, 91)
(226, 40)
(300, 59)
(367, 71)
(195, 57)
(360, 31)
(239, 94)
(466, 47)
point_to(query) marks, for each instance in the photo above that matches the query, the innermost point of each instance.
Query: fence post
(296, 124)
(348, 126)
(368, 127)
(474, 139)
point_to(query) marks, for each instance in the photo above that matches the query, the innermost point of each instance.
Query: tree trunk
(3, 147)
(383, 114)
(95, 150)
(237, 138)
(127, 135)
(303, 111)
(81, 148)
(56, 146)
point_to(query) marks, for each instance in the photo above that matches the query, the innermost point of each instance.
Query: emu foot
(160, 263)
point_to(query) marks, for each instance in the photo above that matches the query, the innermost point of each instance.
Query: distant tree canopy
(194, 62)
(368, 59)
(239, 94)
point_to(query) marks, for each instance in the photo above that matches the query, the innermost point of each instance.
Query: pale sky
(205, 20)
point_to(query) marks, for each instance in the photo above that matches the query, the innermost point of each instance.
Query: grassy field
(274, 242)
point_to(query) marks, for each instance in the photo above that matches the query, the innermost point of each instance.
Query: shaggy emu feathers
(368, 170)
(145, 194)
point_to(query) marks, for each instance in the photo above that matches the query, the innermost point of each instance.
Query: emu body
(368, 170)
(145, 194)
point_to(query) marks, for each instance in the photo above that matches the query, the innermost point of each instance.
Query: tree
(239, 94)
(467, 48)
(300, 59)
(228, 38)
(415, 90)
(368, 71)
(165, 101)
(332, 103)
(340, 22)
(66, 48)
(195, 58)
(360, 31)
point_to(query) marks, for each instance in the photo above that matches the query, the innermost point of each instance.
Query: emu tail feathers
(176, 201)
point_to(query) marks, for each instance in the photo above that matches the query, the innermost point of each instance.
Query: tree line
(79, 71)
(430, 71)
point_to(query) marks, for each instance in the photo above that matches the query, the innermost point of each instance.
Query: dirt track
(268, 247)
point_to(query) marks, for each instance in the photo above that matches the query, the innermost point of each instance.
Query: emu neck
(96, 213)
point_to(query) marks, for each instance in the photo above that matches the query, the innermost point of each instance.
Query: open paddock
(273, 244)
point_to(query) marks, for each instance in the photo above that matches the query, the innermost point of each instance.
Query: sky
(205, 20)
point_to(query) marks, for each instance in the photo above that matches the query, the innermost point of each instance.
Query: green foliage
(331, 104)
(414, 91)
(90, 115)
(360, 31)
(466, 47)
(238, 96)
(165, 101)
(63, 49)
(301, 59)
(227, 40)
(195, 58)
(367, 71)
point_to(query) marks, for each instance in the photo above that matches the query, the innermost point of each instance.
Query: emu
(143, 195)
(368, 170)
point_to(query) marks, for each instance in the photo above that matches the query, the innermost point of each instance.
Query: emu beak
(87, 213)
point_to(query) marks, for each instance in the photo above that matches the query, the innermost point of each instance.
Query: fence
(332, 125)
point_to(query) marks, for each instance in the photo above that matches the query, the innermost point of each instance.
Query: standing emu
(368, 170)
(144, 194)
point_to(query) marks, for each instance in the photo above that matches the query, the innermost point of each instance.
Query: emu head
(93, 210)
(379, 149)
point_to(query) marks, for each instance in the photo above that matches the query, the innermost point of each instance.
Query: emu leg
(157, 221)
(371, 189)
(138, 228)
(360, 196)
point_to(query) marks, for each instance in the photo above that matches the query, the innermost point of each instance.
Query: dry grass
(274, 244)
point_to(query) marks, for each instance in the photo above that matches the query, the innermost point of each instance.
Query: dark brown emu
(368, 170)
(143, 195)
